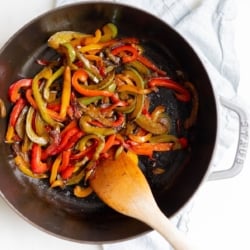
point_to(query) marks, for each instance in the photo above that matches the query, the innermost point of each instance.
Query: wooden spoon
(121, 185)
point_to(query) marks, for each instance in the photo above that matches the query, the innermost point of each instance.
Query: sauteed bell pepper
(93, 102)
(181, 93)
(82, 76)
(15, 88)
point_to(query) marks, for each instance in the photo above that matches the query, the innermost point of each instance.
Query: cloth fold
(208, 26)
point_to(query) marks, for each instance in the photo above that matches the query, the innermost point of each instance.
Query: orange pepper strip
(81, 75)
(109, 143)
(148, 148)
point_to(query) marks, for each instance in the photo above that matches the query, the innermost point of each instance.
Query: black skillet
(89, 220)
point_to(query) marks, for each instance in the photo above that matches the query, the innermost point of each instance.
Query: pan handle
(242, 145)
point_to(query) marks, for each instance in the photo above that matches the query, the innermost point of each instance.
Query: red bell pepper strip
(37, 165)
(128, 53)
(88, 152)
(58, 146)
(67, 173)
(81, 75)
(14, 91)
(150, 65)
(65, 160)
(181, 93)
(72, 141)
(17, 109)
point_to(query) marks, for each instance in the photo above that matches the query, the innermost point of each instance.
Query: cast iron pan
(89, 220)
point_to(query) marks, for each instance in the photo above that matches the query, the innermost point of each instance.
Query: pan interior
(89, 220)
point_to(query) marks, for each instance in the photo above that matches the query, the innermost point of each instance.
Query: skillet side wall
(17, 60)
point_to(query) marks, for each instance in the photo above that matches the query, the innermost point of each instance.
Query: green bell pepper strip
(139, 83)
(88, 129)
(55, 75)
(46, 73)
(150, 126)
(105, 83)
(69, 51)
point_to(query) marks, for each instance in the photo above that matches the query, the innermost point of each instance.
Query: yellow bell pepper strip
(24, 166)
(66, 92)
(93, 39)
(62, 37)
(181, 93)
(55, 168)
(46, 73)
(26, 144)
(17, 109)
(148, 148)
(82, 192)
(40, 126)
(163, 138)
(128, 53)
(157, 112)
(148, 63)
(29, 129)
(153, 127)
(88, 129)
(110, 31)
(37, 166)
(81, 75)
(140, 138)
(14, 91)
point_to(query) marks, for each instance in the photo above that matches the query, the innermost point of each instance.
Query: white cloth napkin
(208, 26)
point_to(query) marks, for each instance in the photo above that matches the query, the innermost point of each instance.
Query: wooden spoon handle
(161, 224)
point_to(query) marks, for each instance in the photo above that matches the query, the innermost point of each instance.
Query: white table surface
(220, 217)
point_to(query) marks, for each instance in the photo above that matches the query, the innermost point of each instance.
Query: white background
(220, 217)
